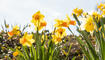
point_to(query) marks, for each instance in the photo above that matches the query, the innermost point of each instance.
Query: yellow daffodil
(64, 23)
(58, 35)
(15, 53)
(61, 23)
(37, 17)
(15, 31)
(10, 34)
(103, 12)
(101, 6)
(88, 24)
(27, 40)
(72, 22)
(56, 39)
(41, 25)
(37, 20)
(95, 14)
(61, 32)
(77, 11)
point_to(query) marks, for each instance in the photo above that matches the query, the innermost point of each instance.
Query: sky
(20, 11)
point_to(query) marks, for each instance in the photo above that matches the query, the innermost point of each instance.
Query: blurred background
(19, 12)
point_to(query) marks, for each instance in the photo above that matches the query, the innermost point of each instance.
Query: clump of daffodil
(58, 34)
(38, 20)
(15, 31)
(27, 40)
(77, 11)
(88, 24)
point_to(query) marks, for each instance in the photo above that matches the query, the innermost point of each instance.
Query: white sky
(20, 11)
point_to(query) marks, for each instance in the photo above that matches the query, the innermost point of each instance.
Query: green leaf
(73, 58)
(68, 52)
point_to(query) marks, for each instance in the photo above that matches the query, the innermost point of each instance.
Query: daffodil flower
(37, 20)
(61, 32)
(27, 40)
(56, 39)
(88, 24)
(15, 31)
(77, 11)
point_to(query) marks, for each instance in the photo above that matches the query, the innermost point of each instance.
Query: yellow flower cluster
(60, 32)
(58, 35)
(89, 23)
(27, 40)
(77, 11)
(37, 20)
(15, 31)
